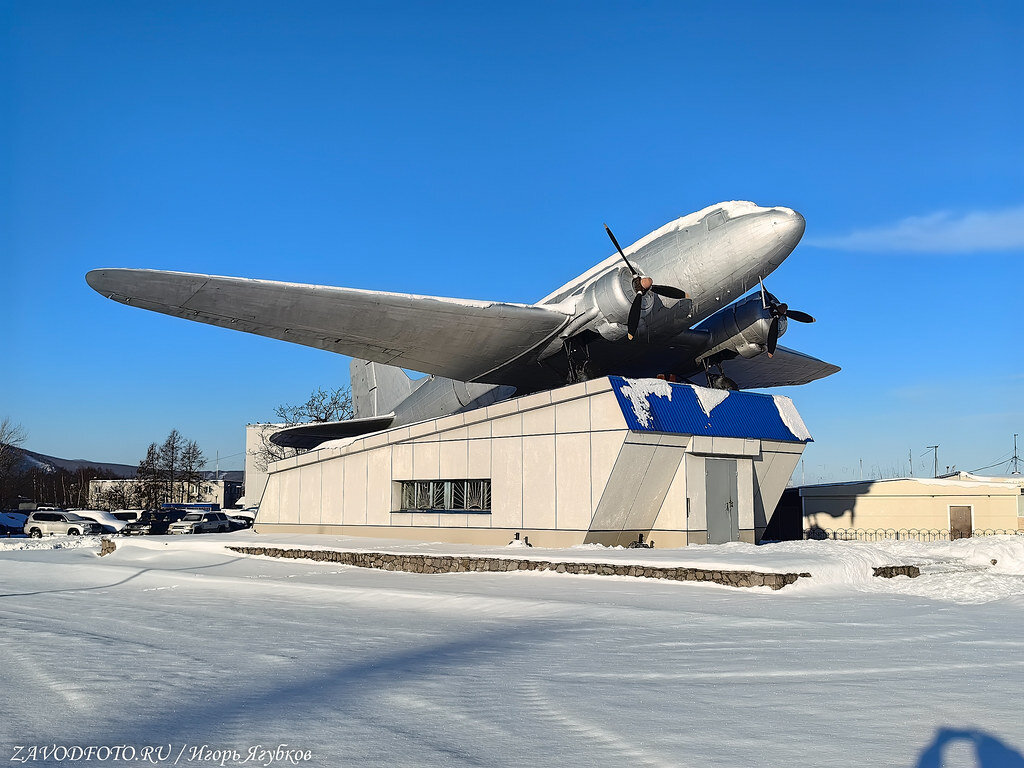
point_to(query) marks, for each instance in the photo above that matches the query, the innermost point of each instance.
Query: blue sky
(473, 150)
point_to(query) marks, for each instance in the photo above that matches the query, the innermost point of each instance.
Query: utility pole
(935, 459)
(910, 457)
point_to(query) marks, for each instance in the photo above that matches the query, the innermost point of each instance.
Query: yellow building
(957, 506)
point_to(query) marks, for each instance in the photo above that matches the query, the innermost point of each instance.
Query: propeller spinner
(778, 309)
(641, 285)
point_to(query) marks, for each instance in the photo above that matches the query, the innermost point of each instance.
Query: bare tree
(170, 461)
(150, 479)
(122, 494)
(321, 406)
(192, 463)
(11, 436)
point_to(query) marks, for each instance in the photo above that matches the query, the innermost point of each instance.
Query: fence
(902, 534)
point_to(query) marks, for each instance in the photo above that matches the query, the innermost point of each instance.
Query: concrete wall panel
(426, 461)
(354, 501)
(479, 459)
(401, 461)
(332, 483)
(507, 482)
(309, 494)
(573, 504)
(539, 481)
(572, 416)
(508, 426)
(673, 509)
(379, 493)
(539, 421)
(454, 460)
(605, 412)
(604, 450)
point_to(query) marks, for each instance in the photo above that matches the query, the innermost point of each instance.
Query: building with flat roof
(956, 506)
(604, 461)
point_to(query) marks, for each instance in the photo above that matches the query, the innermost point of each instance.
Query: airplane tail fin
(377, 389)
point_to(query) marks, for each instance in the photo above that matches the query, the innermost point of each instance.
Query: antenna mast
(935, 459)
(1016, 459)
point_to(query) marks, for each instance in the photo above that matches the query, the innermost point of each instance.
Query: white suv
(53, 522)
(201, 522)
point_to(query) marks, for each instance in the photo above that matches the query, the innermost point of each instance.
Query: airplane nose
(789, 226)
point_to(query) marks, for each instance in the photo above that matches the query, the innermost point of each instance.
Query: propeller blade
(619, 249)
(764, 299)
(669, 291)
(773, 336)
(800, 317)
(634, 316)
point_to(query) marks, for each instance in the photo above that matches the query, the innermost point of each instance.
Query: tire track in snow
(69, 694)
(542, 707)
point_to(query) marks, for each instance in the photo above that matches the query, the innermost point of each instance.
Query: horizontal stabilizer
(308, 436)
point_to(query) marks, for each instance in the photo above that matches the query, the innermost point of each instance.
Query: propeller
(641, 284)
(778, 309)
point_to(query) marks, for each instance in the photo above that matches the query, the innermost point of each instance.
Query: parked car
(152, 523)
(128, 515)
(52, 523)
(107, 521)
(201, 522)
(12, 523)
(239, 523)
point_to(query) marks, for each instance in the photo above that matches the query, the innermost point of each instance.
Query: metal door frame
(949, 519)
(734, 491)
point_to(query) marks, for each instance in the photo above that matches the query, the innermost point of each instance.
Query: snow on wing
(455, 338)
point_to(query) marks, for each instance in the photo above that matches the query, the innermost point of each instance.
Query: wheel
(35, 533)
(73, 532)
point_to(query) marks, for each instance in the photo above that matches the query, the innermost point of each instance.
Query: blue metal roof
(653, 405)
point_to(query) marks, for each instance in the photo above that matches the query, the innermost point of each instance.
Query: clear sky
(474, 150)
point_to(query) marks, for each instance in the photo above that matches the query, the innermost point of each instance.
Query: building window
(473, 496)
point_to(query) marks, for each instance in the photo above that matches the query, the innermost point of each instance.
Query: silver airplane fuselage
(715, 255)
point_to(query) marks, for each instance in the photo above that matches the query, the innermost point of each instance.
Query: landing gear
(719, 380)
(577, 355)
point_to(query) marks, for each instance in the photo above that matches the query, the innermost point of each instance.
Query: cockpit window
(715, 219)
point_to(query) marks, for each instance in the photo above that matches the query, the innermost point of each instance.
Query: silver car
(57, 523)
(201, 522)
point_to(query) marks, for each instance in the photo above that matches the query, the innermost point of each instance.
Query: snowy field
(175, 641)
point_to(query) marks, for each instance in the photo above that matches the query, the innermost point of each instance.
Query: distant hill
(31, 460)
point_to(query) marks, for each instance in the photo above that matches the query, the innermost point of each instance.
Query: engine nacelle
(738, 329)
(613, 296)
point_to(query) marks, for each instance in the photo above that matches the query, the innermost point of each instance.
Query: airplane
(671, 305)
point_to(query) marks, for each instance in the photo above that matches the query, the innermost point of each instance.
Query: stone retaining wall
(466, 563)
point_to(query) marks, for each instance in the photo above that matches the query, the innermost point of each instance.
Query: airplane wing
(455, 338)
(787, 368)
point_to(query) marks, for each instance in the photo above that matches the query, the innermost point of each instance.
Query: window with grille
(472, 496)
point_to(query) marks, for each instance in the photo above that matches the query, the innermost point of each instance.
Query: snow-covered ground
(178, 641)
